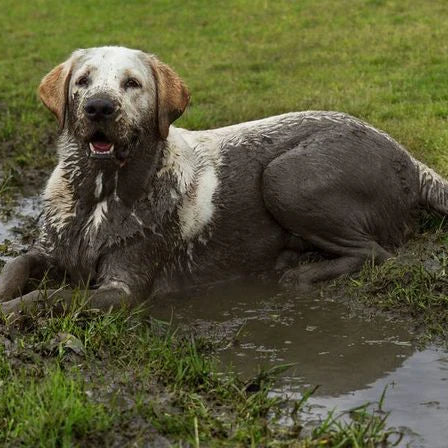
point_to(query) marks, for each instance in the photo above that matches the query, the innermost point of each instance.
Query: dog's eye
(82, 81)
(131, 83)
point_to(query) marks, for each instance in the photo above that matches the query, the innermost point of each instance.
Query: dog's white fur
(182, 159)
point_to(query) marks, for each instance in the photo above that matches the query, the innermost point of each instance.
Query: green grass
(85, 379)
(383, 61)
(51, 412)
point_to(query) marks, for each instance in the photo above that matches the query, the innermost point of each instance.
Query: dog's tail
(433, 189)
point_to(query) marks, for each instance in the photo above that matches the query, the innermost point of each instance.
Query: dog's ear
(53, 90)
(172, 95)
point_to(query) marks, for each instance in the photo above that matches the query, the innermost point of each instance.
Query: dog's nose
(97, 109)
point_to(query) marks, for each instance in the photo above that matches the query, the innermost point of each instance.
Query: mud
(18, 226)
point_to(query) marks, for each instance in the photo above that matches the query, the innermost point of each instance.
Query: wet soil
(18, 225)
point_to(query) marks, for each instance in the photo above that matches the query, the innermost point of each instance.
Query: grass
(383, 61)
(414, 284)
(87, 380)
(52, 412)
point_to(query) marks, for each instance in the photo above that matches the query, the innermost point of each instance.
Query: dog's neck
(165, 171)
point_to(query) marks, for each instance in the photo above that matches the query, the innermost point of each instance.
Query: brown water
(352, 359)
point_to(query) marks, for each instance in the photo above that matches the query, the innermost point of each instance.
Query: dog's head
(108, 97)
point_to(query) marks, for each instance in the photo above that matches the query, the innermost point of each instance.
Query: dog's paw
(294, 279)
(10, 307)
(3, 293)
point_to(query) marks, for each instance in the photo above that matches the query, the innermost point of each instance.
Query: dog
(136, 206)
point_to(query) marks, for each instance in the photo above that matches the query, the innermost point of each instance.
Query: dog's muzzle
(101, 112)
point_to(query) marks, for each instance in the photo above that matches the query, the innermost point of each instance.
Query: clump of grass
(414, 283)
(53, 411)
(4, 185)
(365, 428)
(411, 286)
(5, 192)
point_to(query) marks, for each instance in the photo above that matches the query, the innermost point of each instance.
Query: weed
(414, 283)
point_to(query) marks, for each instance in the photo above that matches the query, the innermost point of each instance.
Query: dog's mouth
(100, 146)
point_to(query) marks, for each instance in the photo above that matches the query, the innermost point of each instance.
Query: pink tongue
(102, 146)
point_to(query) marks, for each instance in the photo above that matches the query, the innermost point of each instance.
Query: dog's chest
(93, 232)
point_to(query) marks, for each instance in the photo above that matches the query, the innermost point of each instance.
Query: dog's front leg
(18, 271)
(104, 299)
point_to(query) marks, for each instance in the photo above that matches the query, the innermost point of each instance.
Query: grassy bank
(115, 380)
(412, 285)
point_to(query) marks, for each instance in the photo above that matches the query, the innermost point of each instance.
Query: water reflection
(417, 398)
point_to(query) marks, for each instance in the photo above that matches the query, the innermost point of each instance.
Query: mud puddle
(18, 226)
(351, 359)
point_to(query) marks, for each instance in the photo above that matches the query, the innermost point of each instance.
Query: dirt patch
(27, 162)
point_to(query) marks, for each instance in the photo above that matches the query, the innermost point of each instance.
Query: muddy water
(17, 226)
(352, 359)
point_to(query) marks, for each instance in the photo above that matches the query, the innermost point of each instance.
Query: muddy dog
(136, 206)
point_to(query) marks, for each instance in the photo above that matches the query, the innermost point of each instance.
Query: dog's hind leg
(60, 300)
(326, 194)
(17, 272)
(302, 277)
